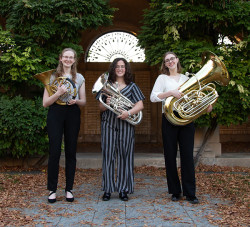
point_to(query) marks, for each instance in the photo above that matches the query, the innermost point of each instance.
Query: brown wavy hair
(164, 69)
(128, 77)
(59, 70)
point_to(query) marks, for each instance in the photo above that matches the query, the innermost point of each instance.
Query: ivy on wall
(34, 34)
(40, 29)
(190, 27)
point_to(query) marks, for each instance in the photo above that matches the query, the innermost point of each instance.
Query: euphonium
(198, 92)
(44, 77)
(118, 101)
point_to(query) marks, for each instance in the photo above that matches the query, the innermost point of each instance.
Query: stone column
(213, 146)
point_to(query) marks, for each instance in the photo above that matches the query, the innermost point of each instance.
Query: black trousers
(183, 136)
(62, 120)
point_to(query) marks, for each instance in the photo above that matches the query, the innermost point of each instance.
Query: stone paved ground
(150, 205)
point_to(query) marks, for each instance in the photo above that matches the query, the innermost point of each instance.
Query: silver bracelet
(129, 114)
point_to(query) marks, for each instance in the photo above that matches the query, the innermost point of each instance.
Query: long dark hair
(164, 69)
(59, 69)
(128, 77)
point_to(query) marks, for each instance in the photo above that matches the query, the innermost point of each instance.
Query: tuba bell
(199, 91)
(118, 101)
(44, 77)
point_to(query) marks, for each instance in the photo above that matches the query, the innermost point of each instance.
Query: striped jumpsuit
(117, 143)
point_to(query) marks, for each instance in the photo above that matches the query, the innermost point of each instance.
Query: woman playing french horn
(167, 84)
(64, 120)
(117, 135)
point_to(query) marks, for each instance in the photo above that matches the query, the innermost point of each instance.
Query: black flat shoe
(123, 196)
(69, 199)
(106, 196)
(192, 199)
(52, 198)
(175, 197)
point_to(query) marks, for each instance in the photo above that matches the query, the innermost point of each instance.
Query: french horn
(118, 102)
(199, 91)
(44, 77)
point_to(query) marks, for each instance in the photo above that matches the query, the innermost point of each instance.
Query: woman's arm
(82, 97)
(158, 93)
(136, 109)
(102, 107)
(49, 100)
(210, 108)
(176, 93)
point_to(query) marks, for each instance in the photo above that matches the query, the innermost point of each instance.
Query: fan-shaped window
(113, 45)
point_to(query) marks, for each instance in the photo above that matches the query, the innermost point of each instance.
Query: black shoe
(192, 199)
(175, 197)
(123, 196)
(106, 196)
(69, 199)
(50, 200)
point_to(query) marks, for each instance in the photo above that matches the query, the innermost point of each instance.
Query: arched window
(113, 45)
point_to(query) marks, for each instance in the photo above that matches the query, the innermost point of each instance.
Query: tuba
(118, 101)
(44, 77)
(198, 91)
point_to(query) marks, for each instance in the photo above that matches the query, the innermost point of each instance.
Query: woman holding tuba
(63, 119)
(117, 134)
(167, 84)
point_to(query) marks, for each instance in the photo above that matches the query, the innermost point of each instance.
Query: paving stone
(149, 205)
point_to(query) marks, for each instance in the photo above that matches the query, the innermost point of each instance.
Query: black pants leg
(71, 131)
(58, 122)
(55, 122)
(186, 145)
(169, 138)
(173, 135)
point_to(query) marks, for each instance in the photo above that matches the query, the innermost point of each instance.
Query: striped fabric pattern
(117, 143)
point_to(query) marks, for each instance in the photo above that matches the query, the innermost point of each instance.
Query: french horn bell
(44, 77)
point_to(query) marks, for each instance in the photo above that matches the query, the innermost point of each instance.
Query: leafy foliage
(39, 30)
(22, 126)
(21, 62)
(190, 27)
(36, 32)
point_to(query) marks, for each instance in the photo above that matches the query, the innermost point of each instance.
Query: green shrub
(222, 28)
(22, 127)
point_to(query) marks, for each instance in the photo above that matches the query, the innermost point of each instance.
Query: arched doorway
(146, 132)
(92, 65)
(127, 19)
(113, 45)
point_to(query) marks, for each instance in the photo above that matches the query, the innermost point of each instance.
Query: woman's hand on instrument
(71, 102)
(124, 115)
(176, 93)
(209, 109)
(108, 100)
(61, 89)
